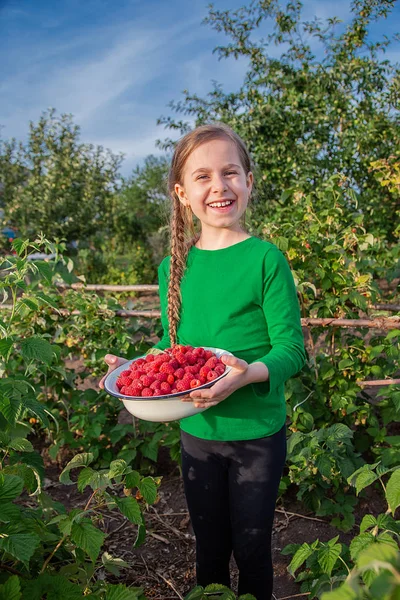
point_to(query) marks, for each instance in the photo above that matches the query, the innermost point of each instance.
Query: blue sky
(115, 65)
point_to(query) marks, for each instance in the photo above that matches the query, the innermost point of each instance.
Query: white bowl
(160, 408)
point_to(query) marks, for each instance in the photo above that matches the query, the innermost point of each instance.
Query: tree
(54, 183)
(303, 117)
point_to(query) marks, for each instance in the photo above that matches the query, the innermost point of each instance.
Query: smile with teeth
(221, 204)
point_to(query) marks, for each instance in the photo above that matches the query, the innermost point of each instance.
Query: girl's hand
(113, 362)
(236, 378)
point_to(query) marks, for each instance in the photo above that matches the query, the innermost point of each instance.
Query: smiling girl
(227, 289)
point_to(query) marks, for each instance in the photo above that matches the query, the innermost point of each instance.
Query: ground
(164, 564)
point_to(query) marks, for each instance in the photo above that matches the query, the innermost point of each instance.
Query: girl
(225, 288)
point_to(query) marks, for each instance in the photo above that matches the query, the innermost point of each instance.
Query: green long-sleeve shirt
(242, 299)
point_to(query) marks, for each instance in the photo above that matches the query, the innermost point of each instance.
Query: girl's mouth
(223, 206)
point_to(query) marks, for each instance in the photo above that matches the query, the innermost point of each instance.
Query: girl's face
(213, 176)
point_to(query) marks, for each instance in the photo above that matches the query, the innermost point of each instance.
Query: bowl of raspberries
(150, 386)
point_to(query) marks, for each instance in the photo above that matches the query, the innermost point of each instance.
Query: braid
(181, 222)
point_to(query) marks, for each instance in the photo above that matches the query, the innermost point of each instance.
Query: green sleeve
(163, 290)
(282, 314)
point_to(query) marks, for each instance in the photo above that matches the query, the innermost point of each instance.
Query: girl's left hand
(235, 379)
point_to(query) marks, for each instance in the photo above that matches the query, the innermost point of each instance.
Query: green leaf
(37, 348)
(361, 542)
(367, 522)
(324, 464)
(11, 589)
(328, 556)
(140, 537)
(80, 460)
(363, 477)
(377, 552)
(87, 537)
(344, 592)
(20, 545)
(5, 346)
(346, 362)
(11, 487)
(130, 509)
(300, 557)
(117, 468)
(21, 445)
(393, 491)
(10, 408)
(36, 408)
(9, 512)
(148, 489)
(121, 592)
(87, 476)
(46, 269)
(132, 480)
(53, 587)
(113, 564)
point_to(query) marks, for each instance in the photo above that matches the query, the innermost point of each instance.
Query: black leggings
(231, 490)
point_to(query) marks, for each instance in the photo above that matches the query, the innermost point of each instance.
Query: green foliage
(369, 568)
(54, 183)
(215, 592)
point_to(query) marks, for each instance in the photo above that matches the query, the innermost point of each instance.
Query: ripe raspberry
(119, 384)
(125, 380)
(188, 349)
(190, 358)
(177, 348)
(204, 371)
(192, 369)
(179, 373)
(174, 390)
(180, 357)
(149, 358)
(137, 383)
(155, 385)
(212, 375)
(220, 369)
(195, 383)
(148, 367)
(147, 380)
(199, 352)
(147, 392)
(137, 374)
(166, 368)
(202, 379)
(161, 377)
(208, 354)
(181, 386)
(165, 388)
(170, 379)
(174, 363)
(212, 362)
(139, 362)
(126, 373)
(132, 391)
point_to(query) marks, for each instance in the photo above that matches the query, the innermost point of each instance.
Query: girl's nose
(218, 184)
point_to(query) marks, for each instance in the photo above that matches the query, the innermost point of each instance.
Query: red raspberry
(147, 380)
(212, 375)
(220, 369)
(139, 362)
(202, 380)
(195, 383)
(126, 373)
(180, 357)
(208, 354)
(188, 349)
(125, 380)
(174, 364)
(201, 361)
(132, 391)
(198, 352)
(148, 367)
(170, 379)
(119, 384)
(161, 377)
(123, 389)
(149, 357)
(179, 373)
(155, 385)
(147, 392)
(174, 390)
(137, 383)
(137, 374)
(190, 358)
(204, 371)
(166, 368)
(165, 388)
(211, 362)
(192, 369)
(177, 348)
(181, 386)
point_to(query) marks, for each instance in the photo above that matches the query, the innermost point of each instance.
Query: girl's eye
(231, 173)
(201, 177)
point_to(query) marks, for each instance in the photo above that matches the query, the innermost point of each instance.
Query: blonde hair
(183, 233)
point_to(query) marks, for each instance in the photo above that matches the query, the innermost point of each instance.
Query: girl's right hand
(113, 362)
